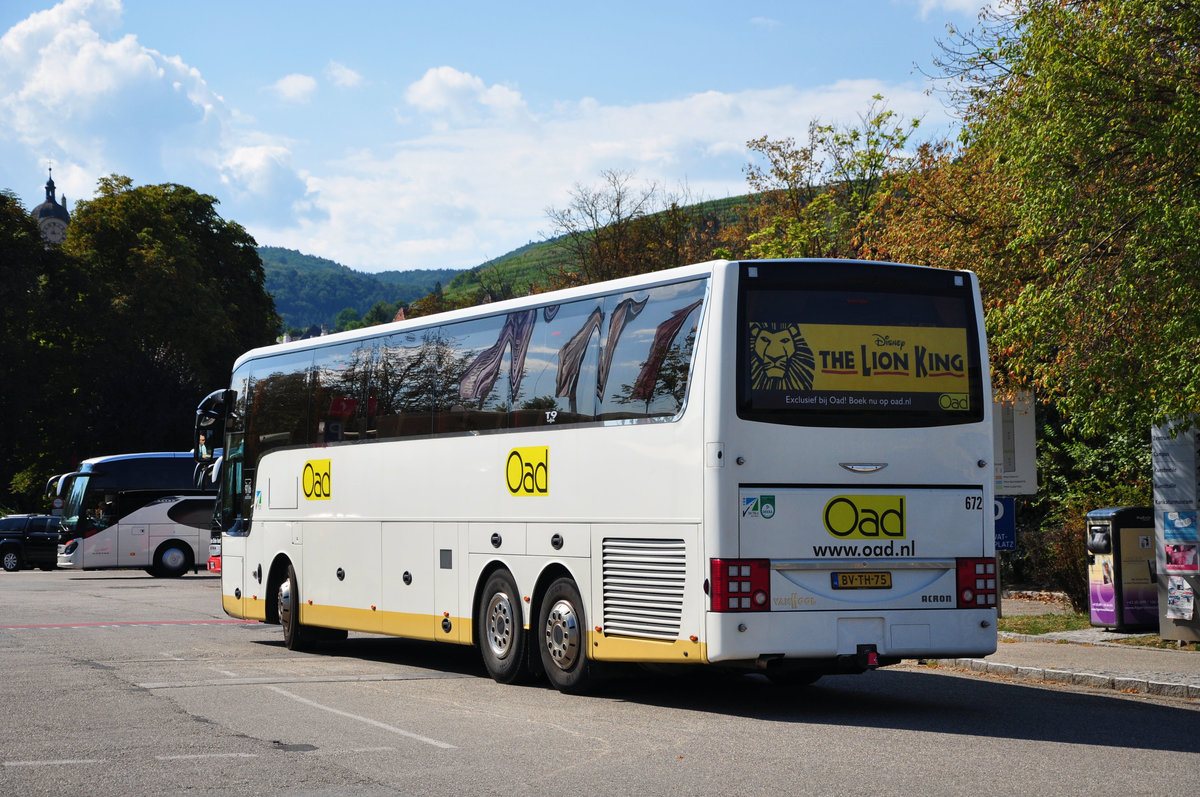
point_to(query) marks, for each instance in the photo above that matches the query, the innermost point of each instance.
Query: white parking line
(204, 755)
(57, 762)
(367, 720)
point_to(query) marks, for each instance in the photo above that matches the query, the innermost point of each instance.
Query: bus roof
(93, 462)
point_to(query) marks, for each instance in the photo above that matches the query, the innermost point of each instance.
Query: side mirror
(208, 435)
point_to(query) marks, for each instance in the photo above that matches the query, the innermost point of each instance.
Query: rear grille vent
(643, 584)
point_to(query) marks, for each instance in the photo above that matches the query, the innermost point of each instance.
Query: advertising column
(1177, 538)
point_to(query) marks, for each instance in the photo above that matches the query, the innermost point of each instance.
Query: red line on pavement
(139, 622)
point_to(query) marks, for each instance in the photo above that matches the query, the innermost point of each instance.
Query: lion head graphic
(780, 358)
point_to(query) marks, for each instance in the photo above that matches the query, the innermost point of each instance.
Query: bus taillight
(740, 585)
(977, 583)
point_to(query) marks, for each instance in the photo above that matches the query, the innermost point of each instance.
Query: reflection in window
(618, 357)
(279, 412)
(343, 395)
(649, 355)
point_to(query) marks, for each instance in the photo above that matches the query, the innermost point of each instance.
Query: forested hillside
(311, 290)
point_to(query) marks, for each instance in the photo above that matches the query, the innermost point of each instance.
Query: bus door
(233, 555)
(98, 528)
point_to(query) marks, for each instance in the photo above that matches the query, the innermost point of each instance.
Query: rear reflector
(740, 585)
(977, 583)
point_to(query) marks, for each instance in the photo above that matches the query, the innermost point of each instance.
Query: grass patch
(1153, 641)
(1035, 624)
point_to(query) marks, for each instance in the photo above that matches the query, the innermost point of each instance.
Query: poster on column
(1180, 600)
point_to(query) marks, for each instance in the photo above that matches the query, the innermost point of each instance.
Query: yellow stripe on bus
(615, 648)
(412, 626)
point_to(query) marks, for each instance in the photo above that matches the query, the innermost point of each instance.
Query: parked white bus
(781, 466)
(135, 511)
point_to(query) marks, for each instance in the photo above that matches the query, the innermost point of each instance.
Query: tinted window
(647, 353)
(196, 513)
(605, 358)
(858, 345)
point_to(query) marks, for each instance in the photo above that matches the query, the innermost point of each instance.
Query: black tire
(295, 635)
(172, 559)
(502, 639)
(562, 639)
(11, 559)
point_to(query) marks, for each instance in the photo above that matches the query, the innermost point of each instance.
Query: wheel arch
(275, 576)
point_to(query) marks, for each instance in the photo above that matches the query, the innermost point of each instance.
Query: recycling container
(1122, 582)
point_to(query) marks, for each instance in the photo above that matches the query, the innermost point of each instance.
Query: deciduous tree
(1090, 112)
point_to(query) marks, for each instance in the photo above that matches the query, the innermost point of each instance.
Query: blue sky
(436, 135)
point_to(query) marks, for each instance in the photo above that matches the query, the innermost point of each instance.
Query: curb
(1120, 682)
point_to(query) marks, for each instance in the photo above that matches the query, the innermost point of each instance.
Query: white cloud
(75, 91)
(343, 76)
(461, 194)
(966, 7)
(294, 88)
(70, 92)
(262, 175)
(462, 97)
(467, 174)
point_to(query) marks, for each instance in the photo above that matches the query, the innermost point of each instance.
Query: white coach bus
(141, 511)
(781, 466)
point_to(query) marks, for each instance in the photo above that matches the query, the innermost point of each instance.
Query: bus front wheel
(562, 638)
(501, 637)
(288, 600)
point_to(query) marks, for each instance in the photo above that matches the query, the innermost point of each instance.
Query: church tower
(52, 217)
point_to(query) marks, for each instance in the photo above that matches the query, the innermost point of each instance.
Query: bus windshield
(73, 508)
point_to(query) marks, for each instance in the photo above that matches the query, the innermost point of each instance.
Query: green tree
(619, 228)
(347, 318)
(380, 313)
(816, 199)
(38, 323)
(1091, 112)
(174, 293)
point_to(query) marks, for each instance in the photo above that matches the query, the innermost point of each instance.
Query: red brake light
(740, 585)
(976, 583)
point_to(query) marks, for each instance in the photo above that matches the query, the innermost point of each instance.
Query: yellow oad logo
(865, 517)
(317, 480)
(527, 471)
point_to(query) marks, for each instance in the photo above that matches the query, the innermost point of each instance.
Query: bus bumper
(832, 636)
(71, 554)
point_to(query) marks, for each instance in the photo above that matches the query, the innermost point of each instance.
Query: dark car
(28, 541)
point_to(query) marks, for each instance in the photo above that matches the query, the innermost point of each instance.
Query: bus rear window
(855, 344)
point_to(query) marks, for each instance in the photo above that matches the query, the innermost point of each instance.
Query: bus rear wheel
(562, 639)
(501, 637)
(171, 560)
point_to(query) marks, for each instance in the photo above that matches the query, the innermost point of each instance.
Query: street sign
(1006, 523)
